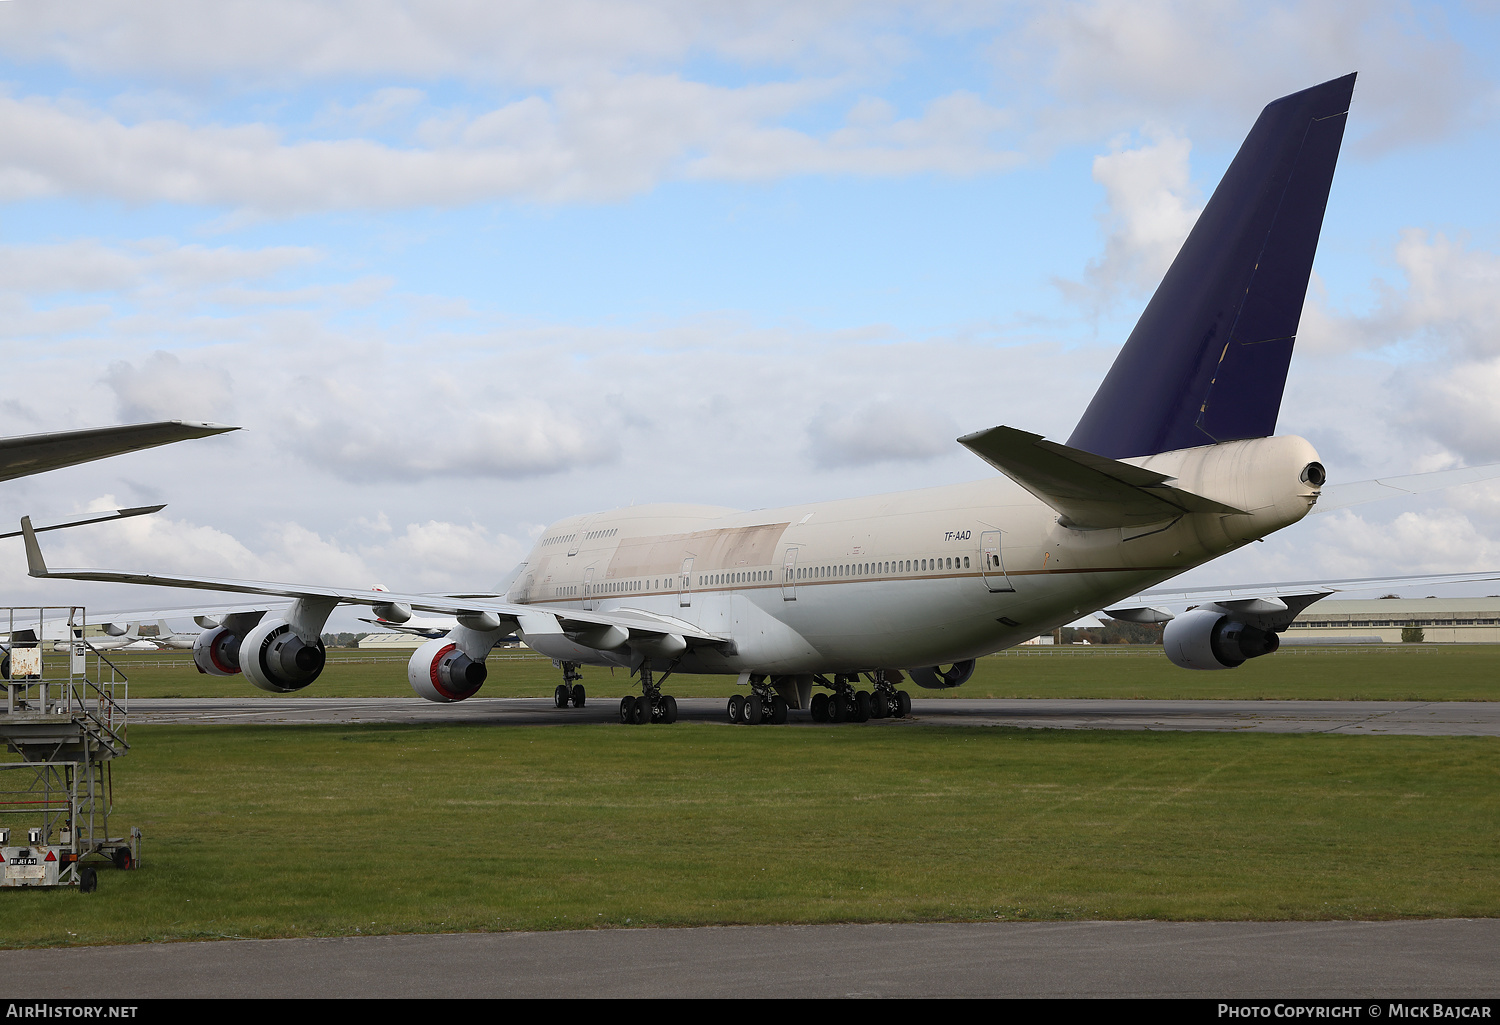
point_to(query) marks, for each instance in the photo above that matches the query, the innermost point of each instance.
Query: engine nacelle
(217, 652)
(276, 659)
(395, 612)
(936, 678)
(1205, 639)
(440, 671)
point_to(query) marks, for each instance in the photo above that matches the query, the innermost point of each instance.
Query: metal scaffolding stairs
(66, 724)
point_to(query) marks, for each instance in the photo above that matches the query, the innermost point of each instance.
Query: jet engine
(217, 652)
(937, 678)
(1205, 639)
(276, 659)
(440, 671)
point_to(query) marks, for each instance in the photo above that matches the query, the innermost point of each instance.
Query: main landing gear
(759, 706)
(568, 691)
(846, 704)
(651, 706)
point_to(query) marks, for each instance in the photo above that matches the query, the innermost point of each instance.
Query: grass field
(295, 831)
(1390, 672)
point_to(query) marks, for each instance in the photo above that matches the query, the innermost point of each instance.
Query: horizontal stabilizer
(1089, 490)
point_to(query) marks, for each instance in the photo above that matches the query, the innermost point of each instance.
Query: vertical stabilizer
(1207, 361)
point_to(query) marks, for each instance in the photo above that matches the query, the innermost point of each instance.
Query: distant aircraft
(1173, 464)
(166, 637)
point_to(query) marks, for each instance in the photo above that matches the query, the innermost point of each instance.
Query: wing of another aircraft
(35, 453)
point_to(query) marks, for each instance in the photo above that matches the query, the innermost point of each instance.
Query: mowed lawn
(1469, 672)
(331, 830)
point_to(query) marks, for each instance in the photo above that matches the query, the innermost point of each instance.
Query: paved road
(1357, 960)
(1422, 718)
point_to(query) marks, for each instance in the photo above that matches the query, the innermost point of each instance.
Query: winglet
(35, 564)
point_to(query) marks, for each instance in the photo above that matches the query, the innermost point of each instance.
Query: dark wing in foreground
(36, 453)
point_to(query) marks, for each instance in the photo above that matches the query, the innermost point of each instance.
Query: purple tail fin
(1208, 359)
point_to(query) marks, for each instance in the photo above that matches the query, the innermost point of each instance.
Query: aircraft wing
(1272, 601)
(35, 453)
(463, 606)
(1341, 496)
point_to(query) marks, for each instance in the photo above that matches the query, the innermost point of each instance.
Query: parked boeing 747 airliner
(1174, 463)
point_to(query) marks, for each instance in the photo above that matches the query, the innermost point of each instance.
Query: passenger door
(992, 563)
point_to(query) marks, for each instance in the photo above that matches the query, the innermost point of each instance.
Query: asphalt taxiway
(1454, 958)
(1415, 718)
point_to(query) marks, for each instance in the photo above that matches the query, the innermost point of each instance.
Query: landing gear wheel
(880, 705)
(560, 696)
(669, 709)
(754, 712)
(903, 704)
(837, 712)
(778, 710)
(627, 709)
(578, 695)
(862, 706)
(645, 713)
(88, 880)
(736, 710)
(820, 708)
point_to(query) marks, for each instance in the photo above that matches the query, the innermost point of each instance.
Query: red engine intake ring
(213, 656)
(436, 677)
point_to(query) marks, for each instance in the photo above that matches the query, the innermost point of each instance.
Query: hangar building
(1443, 620)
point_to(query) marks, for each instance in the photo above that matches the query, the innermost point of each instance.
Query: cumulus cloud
(1188, 58)
(163, 387)
(1149, 210)
(880, 429)
(600, 140)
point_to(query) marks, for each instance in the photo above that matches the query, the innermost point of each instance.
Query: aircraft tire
(836, 708)
(578, 695)
(862, 706)
(627, 709)
(645, 713)
(560, 696)
(669, 709)
(903, 704)
(754, 713)
(778, 710)
(820, 708)
(736, 710)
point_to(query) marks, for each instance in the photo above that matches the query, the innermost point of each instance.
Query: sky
(462, 268)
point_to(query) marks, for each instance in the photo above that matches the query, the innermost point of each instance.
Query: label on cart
(37, 867)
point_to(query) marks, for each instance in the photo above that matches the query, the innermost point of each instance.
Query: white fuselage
(917, 578)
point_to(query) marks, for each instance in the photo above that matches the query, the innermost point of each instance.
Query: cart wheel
(88, 880)
(121, 858)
